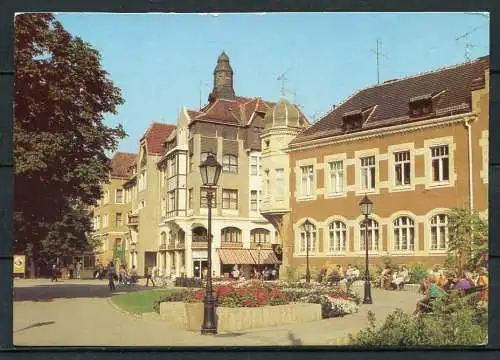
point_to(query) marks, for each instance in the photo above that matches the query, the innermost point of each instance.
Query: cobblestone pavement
(78, 313)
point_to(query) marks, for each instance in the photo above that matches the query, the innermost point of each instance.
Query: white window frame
(438, 225)
(280, 183)
(230, 196)
(302, 239)
(372, 230)
(116, 196)
(105, 221)
(368, 173)
(402, 231)
(307, 180)
(105, 198)
(432, 143)
(254, 201)
(358, 155)
(254, 165)
(392, 149)
(118, 224)
(440, 153)
(230, 164)
(231, 234)
(337, 237)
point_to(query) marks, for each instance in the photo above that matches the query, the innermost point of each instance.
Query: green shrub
(181, 296)
(418, 273)
(374, 270)
(455, 323)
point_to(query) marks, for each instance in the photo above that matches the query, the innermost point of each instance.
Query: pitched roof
(387, 104)
(155, 137)
(121, 162)
(237, 111)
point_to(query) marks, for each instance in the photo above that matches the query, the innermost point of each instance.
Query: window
(307, 239)
(230, 164)
(105, 221)
(372, 234)
(119, 196)
(267, 184)
(203, 198)
(307, 176)
(172, 167)
(439, 232)
(402, 168)
(127, 195)
(231, 235)
(119, 219)
(267, 142)
(440, 163)
(404, 234)
(105, 199)
(204, 156)
(260, 236)
(254, 165)
(163, 207)
(142, 180)
(368, 173)
(171, 200)
(229, 199)
(253, 200)
(260, 197)
(190, 199)
(191, 163)
(163, 238)
(142, 204)
(337, 236)
(280, 184)
(336, 177)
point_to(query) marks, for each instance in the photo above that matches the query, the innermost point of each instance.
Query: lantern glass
(366, 206)
(210, 171)
(308, 226)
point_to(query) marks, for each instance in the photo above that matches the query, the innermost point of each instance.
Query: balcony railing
(132, 220)
(171, 245)
(162, 247)
(179, 245)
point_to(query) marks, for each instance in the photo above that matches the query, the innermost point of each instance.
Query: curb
(137, 316)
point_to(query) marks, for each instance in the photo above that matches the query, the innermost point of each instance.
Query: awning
(267, 256)
(236, 256)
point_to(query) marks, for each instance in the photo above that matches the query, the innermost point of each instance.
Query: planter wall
(189, 316)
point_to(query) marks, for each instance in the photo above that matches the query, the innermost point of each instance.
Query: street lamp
(132, 250)
(308, 228)
(259, 248)
(210, 171)
(366, 209)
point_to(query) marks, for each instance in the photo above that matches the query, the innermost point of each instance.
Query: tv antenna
(468, 41)
(377, 53)
(283, 79)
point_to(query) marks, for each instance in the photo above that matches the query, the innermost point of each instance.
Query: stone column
(188, 241)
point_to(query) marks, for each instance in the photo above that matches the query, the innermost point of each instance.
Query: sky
(164, 62)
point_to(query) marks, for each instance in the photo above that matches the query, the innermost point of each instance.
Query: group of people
(438, 284)
(340, 275)
(266, 274)
(74, 270)
(390, 279)
(123, 276)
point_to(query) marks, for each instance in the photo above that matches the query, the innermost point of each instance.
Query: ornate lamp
(366, 207)
(308, 227)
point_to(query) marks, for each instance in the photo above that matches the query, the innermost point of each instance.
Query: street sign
(19, 264)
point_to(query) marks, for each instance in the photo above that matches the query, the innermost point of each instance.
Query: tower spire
(223, 79)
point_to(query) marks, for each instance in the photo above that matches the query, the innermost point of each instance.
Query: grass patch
(140, 302)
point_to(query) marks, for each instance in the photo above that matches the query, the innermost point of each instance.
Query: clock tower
(223, 79)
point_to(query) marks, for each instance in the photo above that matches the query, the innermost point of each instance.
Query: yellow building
(109, 216)
(417, 147)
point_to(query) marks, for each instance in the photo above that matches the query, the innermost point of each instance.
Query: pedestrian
(54, 273)
(133, 275)
(274, 274)
(78, 268)
(111, 276)
(71, 269)
(149, 277)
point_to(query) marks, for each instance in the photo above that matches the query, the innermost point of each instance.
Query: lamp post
(308, 228)
(366, 209)
(132, 250)
(210, 171)
(259, 248)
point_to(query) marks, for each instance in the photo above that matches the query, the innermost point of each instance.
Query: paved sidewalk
(78, 313)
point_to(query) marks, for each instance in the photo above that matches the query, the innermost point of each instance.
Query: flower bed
(254, 293)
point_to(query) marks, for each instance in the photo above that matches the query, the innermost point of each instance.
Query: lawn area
(139, 302)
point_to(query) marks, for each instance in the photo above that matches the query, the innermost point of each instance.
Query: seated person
(133, 275)
(465, 282)
(434, 292)
(483, 281)
(401, 277)
(385, 277)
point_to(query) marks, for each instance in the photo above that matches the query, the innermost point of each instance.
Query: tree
(468, 239)
(60, 140)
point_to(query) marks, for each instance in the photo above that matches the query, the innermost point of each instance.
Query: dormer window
(352, 120)
(420, 105)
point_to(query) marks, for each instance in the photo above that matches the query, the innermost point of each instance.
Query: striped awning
(236, 256)
(267, 256)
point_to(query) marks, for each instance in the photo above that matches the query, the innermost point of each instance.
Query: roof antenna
(283, 80)
(468, 42)
(377, 52)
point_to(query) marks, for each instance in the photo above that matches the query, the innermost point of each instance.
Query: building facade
(228, 127)
(109, 216)
(417, 147)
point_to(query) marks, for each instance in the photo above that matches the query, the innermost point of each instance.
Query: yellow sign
(19, 264)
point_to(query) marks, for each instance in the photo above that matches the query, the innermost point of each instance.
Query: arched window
(307, 239)
(372, 234)
(231, 235)
(163, 238)
(199, 234)
(230, 163)
(439, 232)
(260, 235)
(404, 234)
(337, 236)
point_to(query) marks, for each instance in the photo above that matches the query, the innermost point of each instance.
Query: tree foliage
(468, 239)
(60, 139)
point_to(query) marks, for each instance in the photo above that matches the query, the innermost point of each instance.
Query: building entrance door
(198, 266)
(149, 259)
